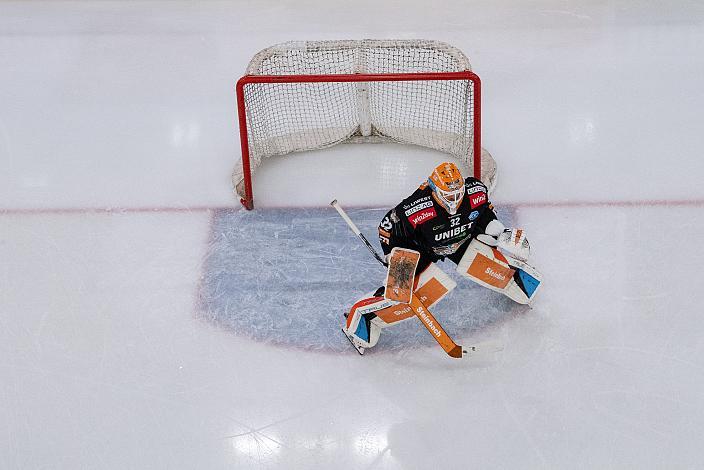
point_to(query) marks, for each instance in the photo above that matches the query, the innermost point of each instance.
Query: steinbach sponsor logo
(477, 200)
(453, 233)
(404, 311)
(429, 322)
(495, 275)
(419, 207)
(422, 216)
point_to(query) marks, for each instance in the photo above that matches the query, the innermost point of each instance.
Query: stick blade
(456, 352)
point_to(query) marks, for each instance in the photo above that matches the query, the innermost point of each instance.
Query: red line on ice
(236, 206)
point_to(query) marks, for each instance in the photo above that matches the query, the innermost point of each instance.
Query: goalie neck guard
(447, 185)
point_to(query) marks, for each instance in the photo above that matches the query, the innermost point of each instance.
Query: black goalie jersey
(420, 223)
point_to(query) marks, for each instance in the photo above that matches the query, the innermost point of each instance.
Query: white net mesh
(288, 117)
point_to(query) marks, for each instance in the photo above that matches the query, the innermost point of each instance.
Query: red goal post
(282, 112)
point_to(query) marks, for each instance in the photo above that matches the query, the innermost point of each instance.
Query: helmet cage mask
(450, 199)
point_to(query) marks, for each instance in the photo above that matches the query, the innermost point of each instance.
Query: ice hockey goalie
(447, 217)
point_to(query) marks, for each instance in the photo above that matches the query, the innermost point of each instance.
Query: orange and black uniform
(420, 223)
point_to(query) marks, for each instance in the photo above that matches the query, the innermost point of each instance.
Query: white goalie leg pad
(488, 267)
(363, 330)
(433, 285)
(527, 278)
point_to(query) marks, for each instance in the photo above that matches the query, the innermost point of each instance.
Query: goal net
(299, 96)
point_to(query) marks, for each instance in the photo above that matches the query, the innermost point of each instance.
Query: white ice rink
(117, 139)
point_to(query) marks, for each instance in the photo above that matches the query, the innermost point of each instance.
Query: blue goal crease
(286, 276)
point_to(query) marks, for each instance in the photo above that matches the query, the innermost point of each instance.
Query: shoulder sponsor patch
(419, 207)
(476, 188)
(422, 216)
(477, 199)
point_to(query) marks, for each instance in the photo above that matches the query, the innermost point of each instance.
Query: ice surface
(132, 337)
(286, 276)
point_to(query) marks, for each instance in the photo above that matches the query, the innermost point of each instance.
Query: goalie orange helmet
(447, 184)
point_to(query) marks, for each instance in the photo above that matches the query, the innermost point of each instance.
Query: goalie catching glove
(514, 242)
(511, 241)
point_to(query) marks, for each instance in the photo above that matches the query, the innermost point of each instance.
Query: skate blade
(359, 349)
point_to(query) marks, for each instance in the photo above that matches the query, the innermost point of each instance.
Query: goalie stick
(357, 231)
(423, 314)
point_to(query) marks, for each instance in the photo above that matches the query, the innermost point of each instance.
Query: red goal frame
(248, 200)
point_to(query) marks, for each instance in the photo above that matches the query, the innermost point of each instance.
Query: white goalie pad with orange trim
(371, 314)
(433, 285)
(488, 267)
(401, 274)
